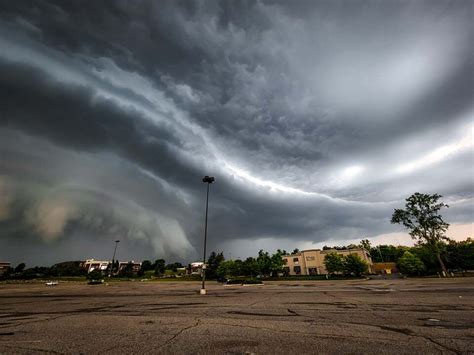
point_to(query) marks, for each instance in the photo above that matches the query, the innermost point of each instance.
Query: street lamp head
(208, 179)
(117, 241)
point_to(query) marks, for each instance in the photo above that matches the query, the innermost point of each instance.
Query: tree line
(433, 252)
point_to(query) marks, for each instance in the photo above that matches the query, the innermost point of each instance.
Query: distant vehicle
(95, 282)
(224, 280)
(52, 283)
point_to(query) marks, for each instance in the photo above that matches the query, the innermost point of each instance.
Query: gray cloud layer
(317, 119)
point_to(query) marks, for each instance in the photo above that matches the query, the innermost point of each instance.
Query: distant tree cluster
(159, 268)
(433, 250)
(67, 268)
(264, 265)
(456, 256)
(349, 265)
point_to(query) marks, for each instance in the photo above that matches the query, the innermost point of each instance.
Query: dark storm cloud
(316, 118)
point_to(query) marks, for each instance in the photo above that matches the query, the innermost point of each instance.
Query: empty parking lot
(356, 316)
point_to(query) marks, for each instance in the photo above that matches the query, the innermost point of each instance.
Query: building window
(310, 258)
(295, 259)
(285, 261)
(297, 270)
(312, 271)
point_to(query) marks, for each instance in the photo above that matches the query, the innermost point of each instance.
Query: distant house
(102, 265)
(311, 262)
(135, 266)
(91, 264)
(195, 268)
(4, 267)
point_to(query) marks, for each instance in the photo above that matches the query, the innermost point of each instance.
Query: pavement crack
(317, 335)
(196, 324)
(444, 347)
(410, 332)
(32, 350)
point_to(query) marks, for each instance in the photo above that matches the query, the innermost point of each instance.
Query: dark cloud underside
(316, 118)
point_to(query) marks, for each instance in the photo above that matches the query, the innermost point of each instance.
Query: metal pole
(203, 288)
(113, 258)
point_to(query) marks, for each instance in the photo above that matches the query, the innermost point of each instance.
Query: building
(91, 264)
(135, 266)
(195, 268)
(385, 268)
(311, 262)
(102, 265)
(4, 267)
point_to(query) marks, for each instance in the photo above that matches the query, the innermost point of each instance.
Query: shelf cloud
(317, 119)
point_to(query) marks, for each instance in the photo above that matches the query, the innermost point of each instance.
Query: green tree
(19, 268)
(410, 264)
(127, 271)
(426, 255)
(421, 217)
(295, 251)
(146, 265)
(35, 272)
(276, 263)
(159, 266)
(354, 265)
(387, 253)
(334, 263)
(213, 263)
(230, 268)
(174, 266)
(367, 246)
(250, 267)
(67, 268)
(460, 255)
(264, 263)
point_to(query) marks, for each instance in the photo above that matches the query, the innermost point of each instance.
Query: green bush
(410, 264)
(95, 275)
(354, 265)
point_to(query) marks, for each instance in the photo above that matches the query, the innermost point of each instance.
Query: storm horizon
(316, 118)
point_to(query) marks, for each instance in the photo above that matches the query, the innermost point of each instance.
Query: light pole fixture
(209, 180)
(113, 258)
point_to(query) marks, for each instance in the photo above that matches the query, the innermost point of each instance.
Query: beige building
(311, 262)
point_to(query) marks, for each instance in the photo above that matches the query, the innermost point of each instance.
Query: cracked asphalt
(425, 316)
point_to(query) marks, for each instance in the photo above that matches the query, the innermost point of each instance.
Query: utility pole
(113, 258)
(209, 180)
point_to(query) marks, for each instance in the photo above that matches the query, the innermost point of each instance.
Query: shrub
(354, 265)
(95, 275)
(410, 264)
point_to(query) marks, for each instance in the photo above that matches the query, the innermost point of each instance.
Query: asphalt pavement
(413, 316)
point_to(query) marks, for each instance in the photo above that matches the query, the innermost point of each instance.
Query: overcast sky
(316, 118)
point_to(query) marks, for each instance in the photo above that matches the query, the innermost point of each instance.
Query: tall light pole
(209, 180)
(113, 258)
